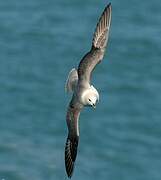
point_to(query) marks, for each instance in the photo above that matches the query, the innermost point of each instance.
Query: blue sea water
(40, 41)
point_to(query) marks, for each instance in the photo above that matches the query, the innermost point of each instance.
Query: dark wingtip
(100, 37)
(70, 155)
(109, 4)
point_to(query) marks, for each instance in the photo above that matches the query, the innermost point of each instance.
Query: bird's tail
(71, 81)
(70, 154)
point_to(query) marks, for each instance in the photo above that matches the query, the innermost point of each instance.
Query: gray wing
(72, 139)
(100, 38)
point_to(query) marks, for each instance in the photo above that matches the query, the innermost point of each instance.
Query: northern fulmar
(84, 94)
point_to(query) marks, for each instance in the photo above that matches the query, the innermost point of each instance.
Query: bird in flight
(79, 83)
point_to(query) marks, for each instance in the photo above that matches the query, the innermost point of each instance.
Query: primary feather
(96, 54)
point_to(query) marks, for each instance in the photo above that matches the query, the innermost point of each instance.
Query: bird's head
(90, 97)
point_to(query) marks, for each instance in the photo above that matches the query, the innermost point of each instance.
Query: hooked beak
(94, 106)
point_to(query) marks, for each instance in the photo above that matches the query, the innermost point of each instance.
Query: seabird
(84, 94)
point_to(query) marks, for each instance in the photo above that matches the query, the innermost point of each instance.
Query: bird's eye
(89, 100)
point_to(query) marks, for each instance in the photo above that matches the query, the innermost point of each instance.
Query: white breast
(90, 93)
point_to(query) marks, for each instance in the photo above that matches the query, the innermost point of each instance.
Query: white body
(89, 96)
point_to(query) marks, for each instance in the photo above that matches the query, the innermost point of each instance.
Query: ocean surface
(40, 42)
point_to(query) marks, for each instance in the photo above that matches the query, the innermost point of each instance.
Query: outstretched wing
(92, 58)
(72, 139)
(102, 29)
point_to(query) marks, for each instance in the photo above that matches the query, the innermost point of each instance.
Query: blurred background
(40, 42)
